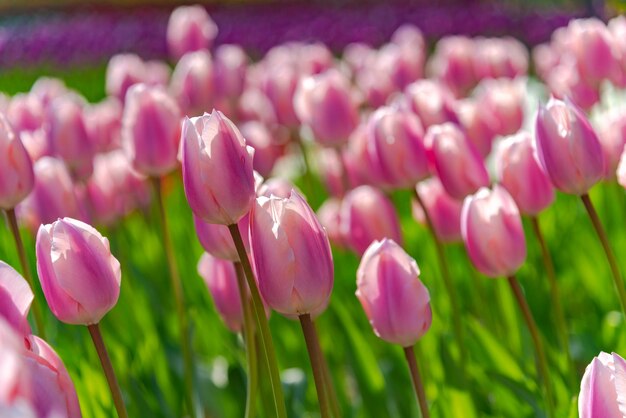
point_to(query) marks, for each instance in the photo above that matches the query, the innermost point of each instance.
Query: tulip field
(431, 226)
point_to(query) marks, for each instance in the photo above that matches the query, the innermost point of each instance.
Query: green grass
(370, 375)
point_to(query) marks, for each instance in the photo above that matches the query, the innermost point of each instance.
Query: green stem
(417, 381)
(445, 274)
(597, 224)
(21, 252)
(557, 308)
(312, 345)
(177, 286)
(267, 400)
(114, 386)
(534, 333)
(263, 326)
(328, 381)
(248, 332)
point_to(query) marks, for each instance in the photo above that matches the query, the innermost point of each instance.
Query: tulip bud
(221, 280)
(492, 232)
(457, 163)
(189, 29)
(47, 89)
(192, 82)
(229, 73)
(612, 138)
(216, 239)
(520, 173)
(368, 215)
(279, 83)
(104, 123)
(25, 112)
(402, 64)
(602, 387)
(503, 99)
(478, 125)
(431, 102)
(568, 147)
(396, 145)
(329, 215)
(79, 276)
(266, 149)
(452, 63)
(16, 168)
(324, 103)
(444, 210)
(217, 169)
(499, 58)
(291, 255)
(151, 130)
(394, 299)
(15, 299)
(14, 376)
(124, 71)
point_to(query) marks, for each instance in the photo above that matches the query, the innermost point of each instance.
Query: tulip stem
(114, 386)
(534, 333)
(559, 316)
(447, 280)
(315, 355)
(597, 224)
(21, 252)
(328, 381)
(178, 296)
(417, 381)
(263, 326)
(248, 332)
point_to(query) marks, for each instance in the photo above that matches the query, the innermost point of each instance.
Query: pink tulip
(216, 239)
(16, 168)
(266, 149)
(331, 164)
(217, 169)
(396, 145)
(313, 58)
(279, 83)
(229, 70)
(431, 102)
(16, 297)
(593, 49)
(79, 276)
(52, 197)
(492, 232)
(14, 376)
(566, 81)
(291, 255)
(410, 36)
(602, 388)
(359, 161)
(444, 211)
(278, 187)
(368, 215)
(394, 299)
(25, 112)
(47, 89)
(323, 102)
(53, 393)
(124, 71)
(151, 130)
(254, 105)
(499, 58)
(456, 162)
(612, 138)
(192, 82)
(157, 73)
(104, 122)
(617, 29)
(520, 173)
(67, 135)
(357, 56)
(452, 64)
(401, 63)
(36, 143)
(189, 29)
(479, 126)
(568, 147)
(329, 215)
(221, 280)
(621, 171)
(503, 99)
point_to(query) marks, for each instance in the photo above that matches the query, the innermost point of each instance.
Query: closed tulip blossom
(431, 101)
(456, 162)
(16, 297)
(479, 126)
(151, 130)
(368, 215)
(452, 63)
(124, 71)
(291, 255)
(568, 147)
(324, 103)
(329, 215)
(229, 70)
(192, 82)
(602, 390)
(216, 240)
(444, 210)
(612, 138)
(504, 100)
(104, 123)
(519, 171)
(217, 169)
(492, 232)
(14, 376)
(190, 28)
(25, 112)
(396, 145)
(266, 149)
(17, 178)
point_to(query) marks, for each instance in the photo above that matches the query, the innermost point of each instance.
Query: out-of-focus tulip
(151, 130)
(123, 71)
(566, 81)
(593, 48)
(36, 143)
(25, 112)
(221, 280)
(492, 232)
(410, 36)
(16, 168)
(291, 255)
(15, 299)
(602, 388)
(67, 135)
(323, 102)
(279, 83)
(47, 89)
(617, 29)
(621, 171)
(52, 197)
(157, 73)
(216, 239)
(277, 187)
(331, 164)
(402, 64)
(444, 211)
(396, 145)
(192, 82)
(254, 105)
(329, 215)
(53, 393)
(499, 57)
(79, 276)
(266, 150)
(568, 147)
(479, 126)
(104, 122)
(503, 99)
(229, 70)
(362, 169)
(452, 64)
(394, 299)
(190, 28)
(520, 173)
(457, 163)
(14, 376)
(313, 58)
(612, 138)
(217, 169)
(368, 215)
(431, 102)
